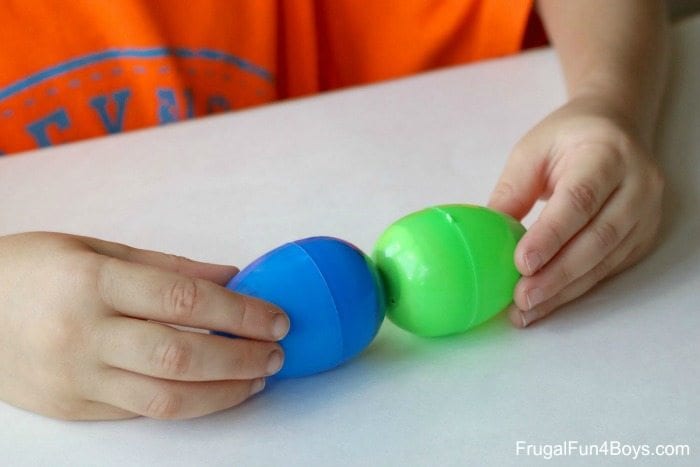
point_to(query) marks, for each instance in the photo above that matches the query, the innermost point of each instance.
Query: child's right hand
(81, 334)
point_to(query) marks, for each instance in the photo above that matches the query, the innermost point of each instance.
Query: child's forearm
(616, 51)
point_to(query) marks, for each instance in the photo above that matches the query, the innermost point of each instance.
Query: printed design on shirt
(117, 90)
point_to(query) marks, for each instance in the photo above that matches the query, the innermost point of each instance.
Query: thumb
(217, 273)
(520, 184)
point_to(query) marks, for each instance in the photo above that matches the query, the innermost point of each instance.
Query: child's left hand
(603, 207)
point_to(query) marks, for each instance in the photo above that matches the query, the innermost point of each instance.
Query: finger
(161, 351)
(165, 399)
(514, 315)
(217, 273)
(651, 228)
(614, 224)
(576, 199)
(92, 410)
(578, 287)
(633, 258)
(520, 184)
(146, 292)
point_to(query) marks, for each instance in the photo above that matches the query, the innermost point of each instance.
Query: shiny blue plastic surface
(331, 293)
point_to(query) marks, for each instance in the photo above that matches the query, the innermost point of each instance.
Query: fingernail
(528, 316)
(523, 318)
(280, 326)
(534, 298)
(274, 362)
(258, 385)
(533, 261)
(515, 315)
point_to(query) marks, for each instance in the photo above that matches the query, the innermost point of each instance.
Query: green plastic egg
(446, 269)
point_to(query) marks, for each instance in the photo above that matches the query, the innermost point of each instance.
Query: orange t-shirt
(84, 68)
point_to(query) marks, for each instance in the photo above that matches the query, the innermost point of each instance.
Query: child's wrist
(621, 100)
(617, 107)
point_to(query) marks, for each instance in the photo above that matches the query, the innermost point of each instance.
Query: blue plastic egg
(331, 292)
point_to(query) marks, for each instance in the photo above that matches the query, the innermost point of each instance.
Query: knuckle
(503, 189)
(182, 298)
(606, 235)
(583, 198)
(613, 161)
(174, 357)
(164, 404)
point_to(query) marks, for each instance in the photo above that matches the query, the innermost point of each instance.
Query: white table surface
(622, 363)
